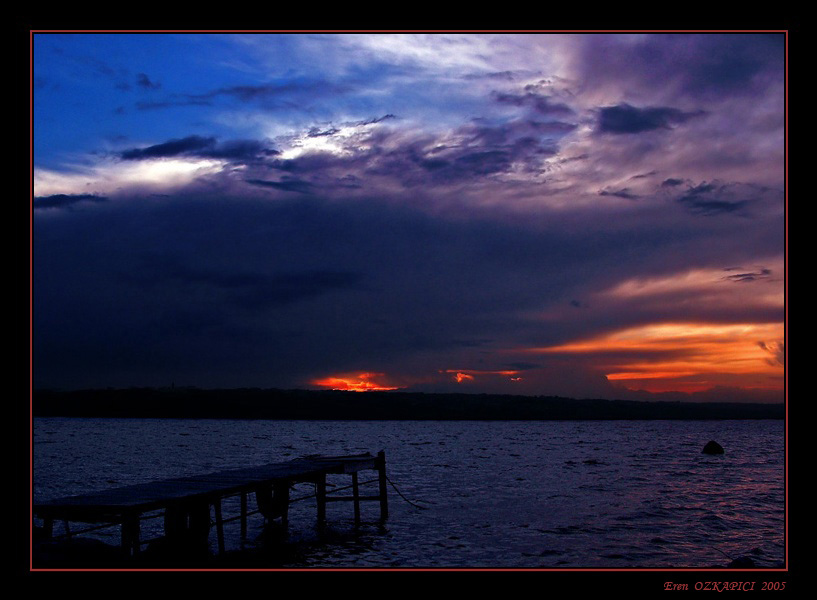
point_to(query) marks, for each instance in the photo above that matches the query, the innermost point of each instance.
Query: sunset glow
(545, 272)
(670, 351)
(525, 214)
(469, 374)
(362, 382)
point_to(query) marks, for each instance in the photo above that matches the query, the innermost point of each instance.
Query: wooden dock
(186, 502)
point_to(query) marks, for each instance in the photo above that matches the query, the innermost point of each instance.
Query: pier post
(130, 534)
(48, 527)
(356, 497)
(243, 516)
(219, 525)
(281, 498)
(273, 502)
(381, 471)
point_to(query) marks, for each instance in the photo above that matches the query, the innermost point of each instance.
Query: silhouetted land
(256, 403)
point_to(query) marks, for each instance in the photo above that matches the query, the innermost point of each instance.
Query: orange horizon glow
(652, 354)
(469, 374)
(361, 382)
(674, 385)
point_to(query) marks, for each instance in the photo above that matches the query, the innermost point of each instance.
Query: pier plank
(137, 498)
(187, 501)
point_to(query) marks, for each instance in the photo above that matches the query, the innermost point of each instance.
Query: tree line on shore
(255, 403)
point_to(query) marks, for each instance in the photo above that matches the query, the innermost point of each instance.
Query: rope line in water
(399, 493)
(722, 552)
(403, 497)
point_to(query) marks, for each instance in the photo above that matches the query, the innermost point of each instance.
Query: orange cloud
(724, 286)
(651, 354)
(469, 374)
(361, 382)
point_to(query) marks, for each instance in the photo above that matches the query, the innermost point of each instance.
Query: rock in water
(712, 447)
(744, 562)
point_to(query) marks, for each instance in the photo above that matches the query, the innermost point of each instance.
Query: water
(511, 494)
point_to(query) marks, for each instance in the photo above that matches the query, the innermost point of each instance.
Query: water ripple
(498, 494)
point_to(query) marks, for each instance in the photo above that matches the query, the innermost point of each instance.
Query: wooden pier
(186, 502)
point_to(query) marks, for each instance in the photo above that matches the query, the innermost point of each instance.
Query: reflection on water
(496, 494)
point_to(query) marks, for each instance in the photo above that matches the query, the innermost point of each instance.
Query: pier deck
(186, 501)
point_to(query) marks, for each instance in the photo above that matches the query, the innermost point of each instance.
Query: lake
(498, 494)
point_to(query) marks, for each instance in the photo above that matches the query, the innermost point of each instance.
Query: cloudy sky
(577, 215)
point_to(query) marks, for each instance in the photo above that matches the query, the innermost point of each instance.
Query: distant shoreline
(275, 404)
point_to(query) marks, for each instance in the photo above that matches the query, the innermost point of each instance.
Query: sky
(582, 215)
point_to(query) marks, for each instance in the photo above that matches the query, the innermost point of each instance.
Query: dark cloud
(472, 163)
(239, 150)
(286, 185)
(349, 181)
(98, 65)
(777, 350)
(314, 164)
(497, 75)
(703, 188)
(318, 132)
(671, 182)
(540, 103)
(485, 149)
(240, 291)
(144, 82)
(417, 163)
(708, 199)
(481, 149)
(701, 66)
(506, 134)
(750, 276)
(177, 147)
(248, 93)
(374, 120)
(625, 119)
(203, 147)
(275, 91)
(622, 193)
(331, 130)
(64, 200)
(290, 93)
(155, 105)
(255, 291)
(571, 159)
(733, 62)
